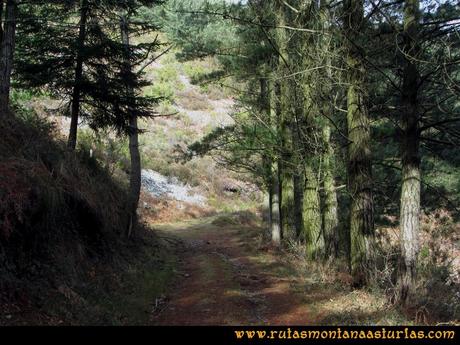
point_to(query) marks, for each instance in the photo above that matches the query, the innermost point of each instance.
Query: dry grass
(162, 210)
(328, 286)
(437, 293)
(60, 213)
(190, 99)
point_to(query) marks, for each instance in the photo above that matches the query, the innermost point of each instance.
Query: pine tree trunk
(276, 226)
(410, 156)
(359, 153)
(312, 216)
(1, 22)
(297, 161)
(265, 109)
(8, 38)
(135, 179)
(267, 163)
(275, 207)
(76, 93)
(298, 203)
(270, 203)
(330, 203)
(3, 102)
(135, 174)
(285, 166)
(287, 192)
(330, 208)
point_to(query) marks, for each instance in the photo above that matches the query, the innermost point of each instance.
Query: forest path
(225, 279)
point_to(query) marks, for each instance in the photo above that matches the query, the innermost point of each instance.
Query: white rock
(159, 185)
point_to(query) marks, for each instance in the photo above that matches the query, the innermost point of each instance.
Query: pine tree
(359, 153)
(330, 208)
(7, 48)
(326, 91)
(79, 60)
(411, 175)
(75, 62)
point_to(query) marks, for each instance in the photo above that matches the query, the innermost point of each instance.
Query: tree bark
(359, 153)
(265, 109)
(330, 203)
(297, 161)
(76, 93)
(277, 228)
(8, 38)
(410, 155)
(312, 216)
(298, 202)
(286, 166)
(330, 209)
(1, 22)
(287, 183)
(270, 200)
(275, 207)
(135, 173)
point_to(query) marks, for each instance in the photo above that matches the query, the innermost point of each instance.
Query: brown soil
(224, 281)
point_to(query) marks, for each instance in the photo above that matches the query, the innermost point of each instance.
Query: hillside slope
(62, 252)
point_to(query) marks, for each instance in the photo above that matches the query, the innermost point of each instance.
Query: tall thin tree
(410, 155)
(359, 152)
(7, 45)
(76, 93)
(135, 171)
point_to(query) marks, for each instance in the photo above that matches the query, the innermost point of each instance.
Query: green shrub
(110, 151)
(161, 90)
(165, 83)
(192, 100)
(195, 70)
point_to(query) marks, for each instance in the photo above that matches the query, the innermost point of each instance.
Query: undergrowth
(437, 292)
(62, 219)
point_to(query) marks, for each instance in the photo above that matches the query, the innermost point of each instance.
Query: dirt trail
(225, 281)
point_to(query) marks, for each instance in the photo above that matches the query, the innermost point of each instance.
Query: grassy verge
(126, 290)
(132, 291)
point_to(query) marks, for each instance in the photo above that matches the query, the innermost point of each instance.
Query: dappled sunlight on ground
(226, 279)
